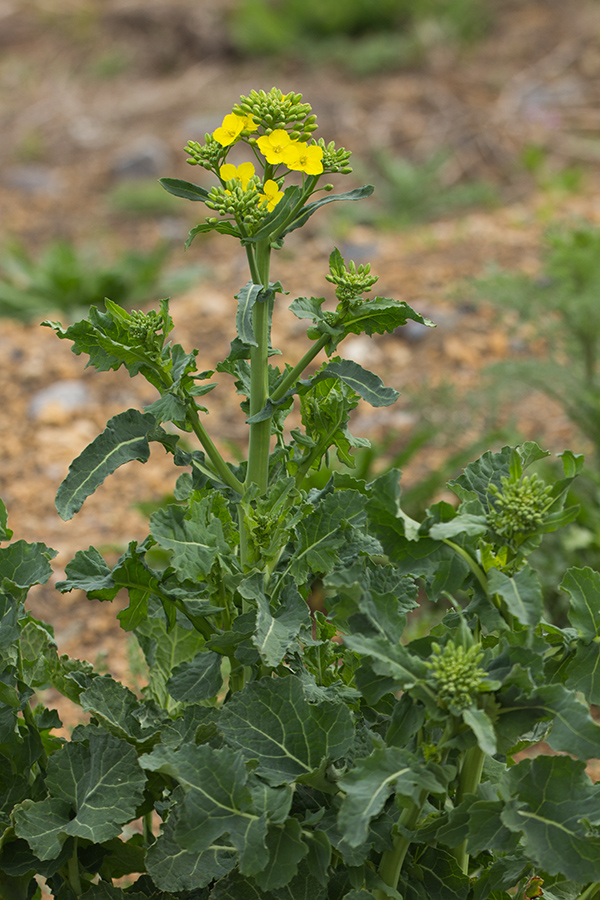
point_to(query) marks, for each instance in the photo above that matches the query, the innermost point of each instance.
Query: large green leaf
(439, 876)
(286, 849)
(583, 587)
(271, 721)
(381, 316)
(217, 802)
(522, 594)
(174, 868)
(369, 784)
(126, 437)
(479, 475)
(93, 792)
(554, 804)
(583, 672)
(164, 650)
(392, 660)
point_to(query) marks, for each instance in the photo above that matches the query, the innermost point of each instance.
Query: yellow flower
(272, 195)
(230, 130)
(242, 173)
(302, 158)
(250, 123)
(273, 146)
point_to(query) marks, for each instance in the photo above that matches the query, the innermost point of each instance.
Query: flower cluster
(457, 675)
(352, 281)
(519, 507)
(143, 327)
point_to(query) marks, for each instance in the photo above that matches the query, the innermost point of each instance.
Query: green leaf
(479, 475)
(366, 384)
(583, 672)
(369, 784)
(481, 726)
(275, 632)
(573, 728)
(522, 594)
(323, 532)
(553, 806)
(217, 802)
(24, 564)
(236, 887)
(307, 211)
(198, 679)
(286, 849)
(392, 660)
(246, 299)
(440, 876)
(88, 572)
(381, 316)
(164, 649)
(102, 785)
(583, 587)
(126, 437)
(271, 721)
(193, 535)
(174, 868)
(120, 712)
(185, 189)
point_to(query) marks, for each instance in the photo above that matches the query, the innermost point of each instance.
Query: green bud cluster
(457, 674)
(335, 161)
(243, 205)
(351, 281)
(518, 508)
(274, 110)
(143, 327)
(209, 156)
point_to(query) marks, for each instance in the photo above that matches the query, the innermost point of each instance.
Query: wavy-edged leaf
(122, 713)
(366, 384)
(583, 672)
(24, 564)
(275, 630)
(553, 806)
(476, 479)
(126, 437)
(175, 869)
(382, 315)
(324, 531)
(101, 785)
(194, 536)
(271, 721)
(5, 531)
(368, 785)
(217, 804)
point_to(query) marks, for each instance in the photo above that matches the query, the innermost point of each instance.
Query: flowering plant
(277, 752)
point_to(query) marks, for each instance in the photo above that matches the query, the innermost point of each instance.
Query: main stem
(470, 776)
(260, 432)
(393, 860)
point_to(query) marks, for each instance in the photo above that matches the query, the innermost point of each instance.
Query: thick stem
(470, 776)
(73, 870)
(592, 892)
(393, 860)
(475, 569)
(260, 432)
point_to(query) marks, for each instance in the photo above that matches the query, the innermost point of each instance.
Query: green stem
(592, 892)
(470, 776)
(213, 454)
(475, 569)
(260, 432)
(393, 860)
(292, 377)
(73, 870)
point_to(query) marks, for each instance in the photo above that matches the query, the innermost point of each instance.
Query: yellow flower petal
(273, 146)
(229, 131)
(272, 195)
(302, 158)
(242, 173)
